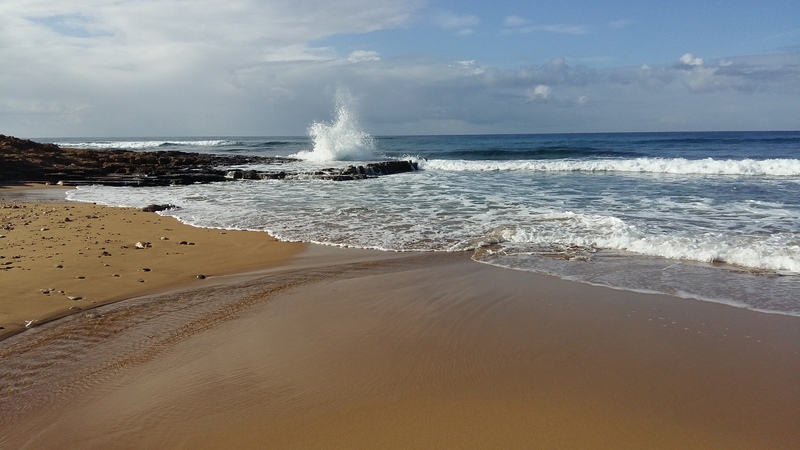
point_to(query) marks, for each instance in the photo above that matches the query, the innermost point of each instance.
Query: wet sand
(340, 348)
(59, 258)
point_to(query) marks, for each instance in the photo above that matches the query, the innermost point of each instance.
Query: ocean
(713, 216)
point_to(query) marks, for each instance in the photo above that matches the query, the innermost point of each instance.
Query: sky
(123, 68)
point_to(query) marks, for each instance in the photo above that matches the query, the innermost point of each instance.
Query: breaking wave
(676, 166)
(341, 140)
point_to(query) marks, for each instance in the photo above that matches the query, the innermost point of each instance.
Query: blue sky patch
(71, 25)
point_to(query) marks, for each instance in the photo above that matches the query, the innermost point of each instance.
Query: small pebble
(58, 266)
(164, 238)
(183, 243)
(75, 308)
(201, 277)
(146, 269)
(80, 278)
(74, 297)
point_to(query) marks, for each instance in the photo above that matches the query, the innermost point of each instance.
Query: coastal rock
(156, 208)
(25, 160)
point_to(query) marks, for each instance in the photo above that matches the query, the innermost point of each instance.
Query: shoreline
(340, 348)
(60, 258)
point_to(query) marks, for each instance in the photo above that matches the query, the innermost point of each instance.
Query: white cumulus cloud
(363, 55)
(540, 92)
(691, 60)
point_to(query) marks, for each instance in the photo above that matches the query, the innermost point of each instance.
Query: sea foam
(674, 166)
(340, 140)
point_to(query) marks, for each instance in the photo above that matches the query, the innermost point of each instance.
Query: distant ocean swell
(144, 145)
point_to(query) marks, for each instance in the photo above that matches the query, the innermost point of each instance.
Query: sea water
(711, 216)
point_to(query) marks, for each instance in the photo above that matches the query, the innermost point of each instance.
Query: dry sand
(59, 258)
(356, 349)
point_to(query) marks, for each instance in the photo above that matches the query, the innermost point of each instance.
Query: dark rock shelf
(23, 160)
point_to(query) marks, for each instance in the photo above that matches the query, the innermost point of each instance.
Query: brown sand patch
(61, 258)
(435, 351)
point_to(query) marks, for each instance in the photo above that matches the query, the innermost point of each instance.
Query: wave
(720, 139)
(536, 153)
(340, 140)
(146, 144)
(581, 233)
(676, 166)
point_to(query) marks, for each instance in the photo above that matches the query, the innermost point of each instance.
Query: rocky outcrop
(349, 173)
(156, 208)
(23, 160)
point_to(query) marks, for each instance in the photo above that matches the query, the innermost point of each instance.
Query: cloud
(518, 24)
(150, 67)
(700, 77)
(515, 22)
(363, 55)
(462, 24)
(149, 58)
(690, 60)
(72, 25)
(539, 92)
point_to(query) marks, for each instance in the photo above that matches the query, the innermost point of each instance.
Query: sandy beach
(338, 348)
(59, 258)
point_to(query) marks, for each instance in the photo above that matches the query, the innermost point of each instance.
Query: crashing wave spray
(341, 140)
